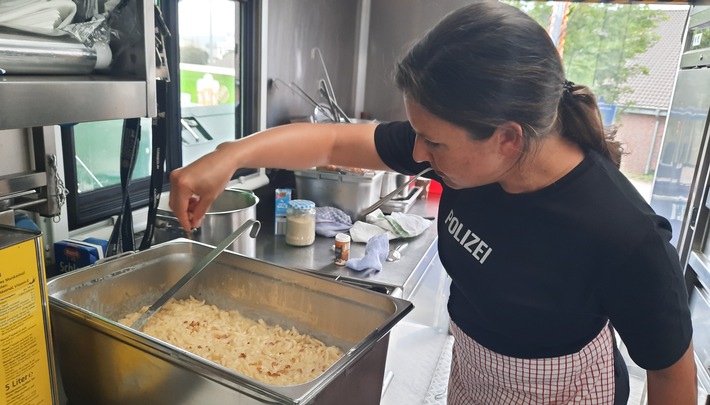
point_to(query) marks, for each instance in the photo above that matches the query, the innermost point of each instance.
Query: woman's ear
(509, 136)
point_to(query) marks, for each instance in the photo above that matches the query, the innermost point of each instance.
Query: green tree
(601, 41)
(194, 54)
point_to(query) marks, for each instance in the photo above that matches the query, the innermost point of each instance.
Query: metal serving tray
(103, 362)
(350, 192)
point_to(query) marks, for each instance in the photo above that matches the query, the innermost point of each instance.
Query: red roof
(654, 89)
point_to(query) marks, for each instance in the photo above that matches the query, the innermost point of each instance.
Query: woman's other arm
(674, 385)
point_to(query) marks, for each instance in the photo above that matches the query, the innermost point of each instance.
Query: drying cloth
(395, 225)
(331, 221)
(37, 16)
(375, 254)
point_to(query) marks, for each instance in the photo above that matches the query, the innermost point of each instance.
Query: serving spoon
(160, 302)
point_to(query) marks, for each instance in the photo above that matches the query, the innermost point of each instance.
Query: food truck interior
(92, 122)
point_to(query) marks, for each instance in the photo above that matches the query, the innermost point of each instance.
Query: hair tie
(568, 87)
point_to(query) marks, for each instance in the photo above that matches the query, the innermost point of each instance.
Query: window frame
(91, 207)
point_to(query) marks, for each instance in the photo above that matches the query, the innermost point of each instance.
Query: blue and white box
(281, 200)
(72, 254)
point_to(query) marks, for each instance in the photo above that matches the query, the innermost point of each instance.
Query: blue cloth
(375, 254)
(331, 221)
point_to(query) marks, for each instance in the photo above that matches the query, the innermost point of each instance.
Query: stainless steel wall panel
(295, 28)
(394, 26)
(14, 151)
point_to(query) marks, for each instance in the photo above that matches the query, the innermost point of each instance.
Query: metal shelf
(41, 101)
(127, 91)
(37, 102)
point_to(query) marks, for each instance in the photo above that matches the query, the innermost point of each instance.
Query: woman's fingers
(193, 188)
(196, 209)
(181, 194)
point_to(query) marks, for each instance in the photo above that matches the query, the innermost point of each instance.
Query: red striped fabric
(481, 376)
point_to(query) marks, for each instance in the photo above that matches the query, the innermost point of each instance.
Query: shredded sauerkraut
(265, 353)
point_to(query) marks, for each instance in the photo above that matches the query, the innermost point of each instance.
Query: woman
(546, 242)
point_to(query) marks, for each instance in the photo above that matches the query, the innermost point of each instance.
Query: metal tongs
(254, 224)
(302, 93)
(389, 196)
(338, 112)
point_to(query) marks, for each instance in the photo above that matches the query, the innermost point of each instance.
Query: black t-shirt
(538, 274)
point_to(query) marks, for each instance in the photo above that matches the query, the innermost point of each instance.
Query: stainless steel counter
(318, 257)
(418, 277)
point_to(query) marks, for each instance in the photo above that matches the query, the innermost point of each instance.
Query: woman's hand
(193, 188)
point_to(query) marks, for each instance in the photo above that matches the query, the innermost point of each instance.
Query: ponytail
(580, 120)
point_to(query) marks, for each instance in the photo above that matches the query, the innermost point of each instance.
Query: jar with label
(342, 248)
(301, 222)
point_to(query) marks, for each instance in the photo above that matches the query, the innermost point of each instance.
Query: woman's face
(460, 161)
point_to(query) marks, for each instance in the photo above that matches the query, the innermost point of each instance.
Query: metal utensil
(395, 254)
(302, 93)
(324, 93)
(325, 70)
(160, 302)
(338, 112)
(389, 196)
(296, 89)
(341, 113)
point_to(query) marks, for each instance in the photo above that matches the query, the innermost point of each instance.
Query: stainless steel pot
(350, 192)
(230, 210)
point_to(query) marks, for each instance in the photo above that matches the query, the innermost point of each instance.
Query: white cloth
(37, 16)
(395, 225)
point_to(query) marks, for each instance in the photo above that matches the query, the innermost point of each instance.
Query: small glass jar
(300, 222)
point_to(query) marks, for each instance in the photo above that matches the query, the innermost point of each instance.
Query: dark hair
(488, 63)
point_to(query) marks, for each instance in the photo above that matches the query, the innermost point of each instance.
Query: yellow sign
(25, 345)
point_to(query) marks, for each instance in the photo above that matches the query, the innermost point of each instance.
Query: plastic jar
(342, 248)
(300, 222)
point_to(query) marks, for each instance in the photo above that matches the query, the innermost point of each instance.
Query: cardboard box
(281, 199)
(72, 254)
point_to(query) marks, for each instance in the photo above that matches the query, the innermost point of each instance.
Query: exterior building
(641, 116)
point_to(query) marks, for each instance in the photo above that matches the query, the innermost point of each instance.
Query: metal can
(27, 366)
(301, 222)
(342, 248)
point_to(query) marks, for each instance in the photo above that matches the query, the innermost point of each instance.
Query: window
(92, 169)
(203, 107)
(628, 54)
(209, 75)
